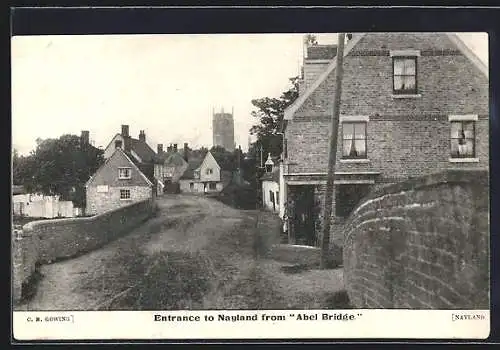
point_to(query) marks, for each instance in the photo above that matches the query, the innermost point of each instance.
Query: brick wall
(422, 243)
(408, 135)
(101, 202)
(447, 80)
(397, 146)
(49, 240)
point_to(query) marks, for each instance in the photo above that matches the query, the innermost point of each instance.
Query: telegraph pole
(332, 152)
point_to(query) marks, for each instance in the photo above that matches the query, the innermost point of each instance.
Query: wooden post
(332, 152)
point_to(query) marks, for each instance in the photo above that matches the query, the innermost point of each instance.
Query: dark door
(304, 215)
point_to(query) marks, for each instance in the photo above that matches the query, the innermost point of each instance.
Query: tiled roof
(175, 159)
(193, 164)
(143, 150)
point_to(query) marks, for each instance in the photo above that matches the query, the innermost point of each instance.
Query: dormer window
(404, 72)
(124, 173)
(209, 171)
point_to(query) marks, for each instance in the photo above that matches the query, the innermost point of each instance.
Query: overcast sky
(166, 85)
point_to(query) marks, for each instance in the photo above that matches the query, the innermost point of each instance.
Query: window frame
(209, 171)
(129, 173)
(473, 138)
(210, 184)
(124, 190)
(354, 122)
(413, 91)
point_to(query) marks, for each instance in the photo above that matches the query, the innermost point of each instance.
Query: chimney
(160, 148)
(125, 131)
(186, 151)
(84, 138)
(175, 147)
(142, 136)
(317, 59)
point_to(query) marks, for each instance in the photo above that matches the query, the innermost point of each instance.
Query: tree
(310, 39)
(227, 160)
(59, 167)
(270, 112)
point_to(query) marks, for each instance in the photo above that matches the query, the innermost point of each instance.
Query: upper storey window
(404, 72)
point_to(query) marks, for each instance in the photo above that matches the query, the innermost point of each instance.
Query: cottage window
(191, 186)
(102, 188)
(354, 140)
(404, 75)
(271, 196)
(124, 173)
(212, 186)
(124, 194)
(277, 197)
(463, 139)
(209, 171)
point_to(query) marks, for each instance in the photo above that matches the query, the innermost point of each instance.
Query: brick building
(412, 104)
(117, 183)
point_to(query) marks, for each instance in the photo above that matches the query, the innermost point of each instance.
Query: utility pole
(332, 152)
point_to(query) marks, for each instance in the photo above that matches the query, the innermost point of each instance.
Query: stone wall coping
(31, 226)
(448, 176)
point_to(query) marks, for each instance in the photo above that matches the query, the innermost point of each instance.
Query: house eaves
(463, 48)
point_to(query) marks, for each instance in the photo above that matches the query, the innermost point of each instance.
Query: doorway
(304, 218)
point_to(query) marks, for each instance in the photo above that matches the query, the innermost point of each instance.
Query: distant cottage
(126, 176)
(205, 175)
(169, 166)
(118, 182)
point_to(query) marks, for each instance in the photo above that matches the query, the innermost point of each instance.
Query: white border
(266, 324)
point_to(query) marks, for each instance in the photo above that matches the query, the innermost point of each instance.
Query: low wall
(46, 241)
(421, 244)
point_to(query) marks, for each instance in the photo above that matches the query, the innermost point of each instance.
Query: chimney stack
(84, 138)
(125, 131)
(142, 136)
(175, 147)
(186, 151)
(160, 148)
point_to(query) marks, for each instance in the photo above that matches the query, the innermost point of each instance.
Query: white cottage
(271, 186)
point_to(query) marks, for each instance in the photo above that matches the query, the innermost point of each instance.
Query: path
(196, 253)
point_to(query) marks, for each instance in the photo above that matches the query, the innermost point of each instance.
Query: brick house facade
(117, 183)
(411, 104)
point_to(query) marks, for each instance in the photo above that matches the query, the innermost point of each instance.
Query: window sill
(347, 160)
(396, 96)
(124, 178)
(126, 199)
(464, 160)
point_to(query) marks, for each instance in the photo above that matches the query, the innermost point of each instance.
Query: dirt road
(196, 253)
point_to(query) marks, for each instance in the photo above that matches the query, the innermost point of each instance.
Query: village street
(196, 253)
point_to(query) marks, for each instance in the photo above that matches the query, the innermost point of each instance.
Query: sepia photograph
(237, 172)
